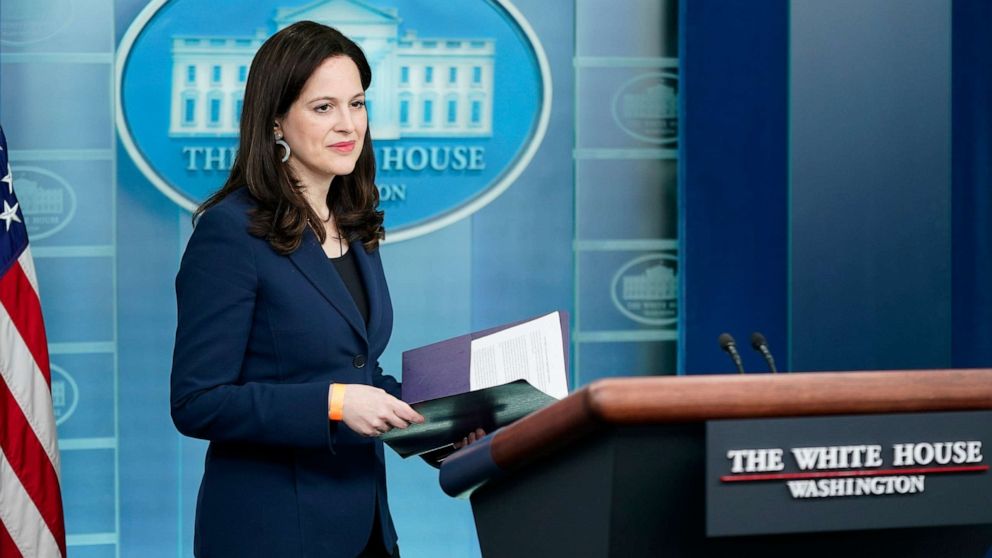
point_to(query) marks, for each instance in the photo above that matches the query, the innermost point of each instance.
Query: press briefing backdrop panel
(870, 184)
(971, 176)
(817, 173)
(565, 208)
(626, 147)
(733, 185)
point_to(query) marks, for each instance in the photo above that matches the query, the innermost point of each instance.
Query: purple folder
(442, 369)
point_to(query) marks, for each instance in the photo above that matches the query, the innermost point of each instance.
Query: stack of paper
(486, 379)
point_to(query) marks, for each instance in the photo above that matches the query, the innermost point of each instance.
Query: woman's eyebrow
(330, 98)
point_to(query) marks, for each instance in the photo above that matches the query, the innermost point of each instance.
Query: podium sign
(814, 474)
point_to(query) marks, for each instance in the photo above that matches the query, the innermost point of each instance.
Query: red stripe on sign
(858, 473)
(31, 464)
(7, 546)
(22, 303)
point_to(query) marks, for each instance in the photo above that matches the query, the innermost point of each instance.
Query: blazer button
(359, 361)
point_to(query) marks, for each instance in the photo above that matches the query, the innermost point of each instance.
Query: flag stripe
(20, 299)
(27, 471)
(27, 264)
(7, 546)
(27, 385)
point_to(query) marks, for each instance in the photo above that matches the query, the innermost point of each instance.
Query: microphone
(730, 347)
(758, 343)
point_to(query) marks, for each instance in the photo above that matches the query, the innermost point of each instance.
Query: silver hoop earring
(282, 143)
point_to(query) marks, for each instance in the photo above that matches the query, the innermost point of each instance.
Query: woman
(283, 315)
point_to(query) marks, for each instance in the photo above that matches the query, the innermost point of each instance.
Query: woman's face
(325, 127)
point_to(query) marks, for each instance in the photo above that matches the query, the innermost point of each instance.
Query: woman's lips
(344, 147)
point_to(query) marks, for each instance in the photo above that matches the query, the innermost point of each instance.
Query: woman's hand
(371, 411)
(473, 437)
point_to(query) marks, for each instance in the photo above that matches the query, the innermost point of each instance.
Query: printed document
(531, 351)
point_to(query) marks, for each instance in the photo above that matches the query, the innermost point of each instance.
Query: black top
(348, 271)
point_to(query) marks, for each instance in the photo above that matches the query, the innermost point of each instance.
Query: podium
(710, 465)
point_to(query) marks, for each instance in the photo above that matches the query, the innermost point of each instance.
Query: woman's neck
(317, 198)
(315, 189)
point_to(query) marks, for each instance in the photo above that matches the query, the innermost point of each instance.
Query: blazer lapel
(371, 281)
(311, 260)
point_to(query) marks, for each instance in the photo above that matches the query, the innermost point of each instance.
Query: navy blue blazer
(260, 339)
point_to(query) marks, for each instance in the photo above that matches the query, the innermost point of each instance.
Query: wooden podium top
(675, 399)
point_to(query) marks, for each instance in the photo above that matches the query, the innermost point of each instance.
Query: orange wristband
(336, 409)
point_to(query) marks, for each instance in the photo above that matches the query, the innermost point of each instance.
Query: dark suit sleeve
(215, 291)
(386, 382)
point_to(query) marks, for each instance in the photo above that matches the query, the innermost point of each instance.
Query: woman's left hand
(473, 437)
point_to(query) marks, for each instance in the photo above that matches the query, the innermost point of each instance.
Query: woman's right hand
(370, 411)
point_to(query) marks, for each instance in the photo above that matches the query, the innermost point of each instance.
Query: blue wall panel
(971, 75)
(86, 287)
(88, 491)
(74, 113)
(530, 225)
(148, 251)
(65, 201)
(626, 88)
(870, 191)
(615, 194)
(83, 395)
(63, 26)
(732, 184)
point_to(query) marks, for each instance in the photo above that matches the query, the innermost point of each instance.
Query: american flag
(31, 522)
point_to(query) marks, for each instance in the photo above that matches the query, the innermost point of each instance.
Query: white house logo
(65, 394)
(645, 289)
(49, 203)
(459, 102)
(647, 107)
(25, 22)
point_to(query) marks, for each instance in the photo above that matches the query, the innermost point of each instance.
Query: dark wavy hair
(278, 73)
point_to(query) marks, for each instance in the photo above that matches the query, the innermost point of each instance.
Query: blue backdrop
(838, 199)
